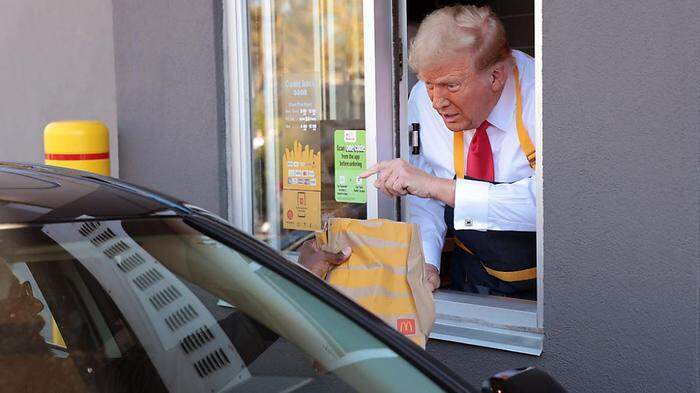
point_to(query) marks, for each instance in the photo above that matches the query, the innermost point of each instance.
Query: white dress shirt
(478, 205)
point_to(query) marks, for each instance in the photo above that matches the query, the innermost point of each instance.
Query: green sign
(350, 161)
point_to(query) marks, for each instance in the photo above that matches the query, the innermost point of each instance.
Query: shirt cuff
(432, 251)
(471, 205)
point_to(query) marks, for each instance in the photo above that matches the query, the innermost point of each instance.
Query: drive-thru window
(317, 92)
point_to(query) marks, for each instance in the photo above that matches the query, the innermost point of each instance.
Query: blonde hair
(459, 30)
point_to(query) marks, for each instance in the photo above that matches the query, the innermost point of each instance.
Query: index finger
(371, 171)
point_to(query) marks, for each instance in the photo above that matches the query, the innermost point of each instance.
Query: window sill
(488, 321)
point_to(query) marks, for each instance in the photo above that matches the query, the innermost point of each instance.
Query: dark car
(112, 288)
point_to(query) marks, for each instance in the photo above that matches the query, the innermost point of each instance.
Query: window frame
(238, 119)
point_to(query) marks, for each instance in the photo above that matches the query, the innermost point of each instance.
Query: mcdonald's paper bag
(385, 273)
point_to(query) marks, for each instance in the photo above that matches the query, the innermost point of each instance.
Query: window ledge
(488, 321)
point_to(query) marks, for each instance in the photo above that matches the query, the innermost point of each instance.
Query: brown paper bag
(385, 272)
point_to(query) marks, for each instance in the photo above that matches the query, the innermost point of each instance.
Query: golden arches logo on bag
(406, 326)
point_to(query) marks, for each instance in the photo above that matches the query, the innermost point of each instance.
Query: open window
(306, 77)
(492, 321)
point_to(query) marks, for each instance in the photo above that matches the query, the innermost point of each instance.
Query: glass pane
(307, 88)
(154, 306)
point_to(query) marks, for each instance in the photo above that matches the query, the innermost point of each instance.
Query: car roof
(31, 193)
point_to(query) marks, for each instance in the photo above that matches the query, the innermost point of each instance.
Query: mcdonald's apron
(494, 262)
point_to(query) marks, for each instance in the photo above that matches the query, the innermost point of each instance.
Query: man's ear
(498, 76)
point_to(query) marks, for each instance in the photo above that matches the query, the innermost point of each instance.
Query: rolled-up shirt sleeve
(500, 207)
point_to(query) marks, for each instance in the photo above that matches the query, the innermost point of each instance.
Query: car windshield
(154, 305)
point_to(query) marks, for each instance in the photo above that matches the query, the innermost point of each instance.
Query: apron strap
(511, 276)
(526, 144)
(458, 150)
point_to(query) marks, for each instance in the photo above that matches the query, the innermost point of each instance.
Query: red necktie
(480, 156)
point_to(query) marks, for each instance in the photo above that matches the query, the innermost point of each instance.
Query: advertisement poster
(301, 191)
(302, 210)
(350, 160)
(301, 158)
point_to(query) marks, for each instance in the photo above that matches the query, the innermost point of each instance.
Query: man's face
(463, 96)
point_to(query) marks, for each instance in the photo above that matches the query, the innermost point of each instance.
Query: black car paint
(128, 201)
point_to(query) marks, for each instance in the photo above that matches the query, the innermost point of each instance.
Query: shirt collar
(503, 113)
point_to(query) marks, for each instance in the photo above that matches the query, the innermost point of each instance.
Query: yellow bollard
(78, 144)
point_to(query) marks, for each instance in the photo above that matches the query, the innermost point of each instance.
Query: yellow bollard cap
(78, 144)
(76, 137)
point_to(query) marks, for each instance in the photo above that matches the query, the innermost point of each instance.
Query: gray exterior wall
(57, 63)
(169, 98)
(621, 147)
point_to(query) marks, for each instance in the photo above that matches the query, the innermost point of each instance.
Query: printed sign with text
(350, 160)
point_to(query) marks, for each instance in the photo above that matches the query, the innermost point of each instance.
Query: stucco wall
(621, 176)
(171, 118)
(57, 63)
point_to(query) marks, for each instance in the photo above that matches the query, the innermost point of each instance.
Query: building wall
(621, 175)
(170, 98)
(57, 64)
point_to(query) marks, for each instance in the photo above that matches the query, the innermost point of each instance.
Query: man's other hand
(432, 276)
(320, 262)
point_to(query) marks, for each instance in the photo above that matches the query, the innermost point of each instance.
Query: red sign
(406, 326)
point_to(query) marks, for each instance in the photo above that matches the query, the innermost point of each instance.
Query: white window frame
(378, 98)
(238, 121)
(493, 322)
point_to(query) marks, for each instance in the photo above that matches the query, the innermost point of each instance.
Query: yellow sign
(301, 188)
(301, 210)
(301, 168)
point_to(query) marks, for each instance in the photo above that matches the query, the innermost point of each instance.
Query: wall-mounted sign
(350, 160)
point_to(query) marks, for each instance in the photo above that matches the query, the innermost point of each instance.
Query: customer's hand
(432, 276)
(320, 262)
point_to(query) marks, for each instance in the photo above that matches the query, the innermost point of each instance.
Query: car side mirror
(522, 380)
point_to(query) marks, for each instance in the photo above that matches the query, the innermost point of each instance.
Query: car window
(153, 305)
